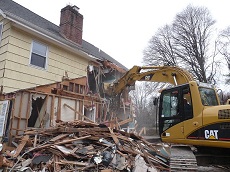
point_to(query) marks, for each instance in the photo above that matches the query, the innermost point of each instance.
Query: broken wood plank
(20, 146)
(71, 140)
(73, 162)
(61, 136)
(125, 121)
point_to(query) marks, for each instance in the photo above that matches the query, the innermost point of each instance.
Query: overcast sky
(122, 28)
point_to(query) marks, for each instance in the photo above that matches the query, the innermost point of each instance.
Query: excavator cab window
(187, 103)
(208, 96)
(169, 106)
(175, 106)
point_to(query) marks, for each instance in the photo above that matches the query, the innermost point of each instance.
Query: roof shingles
(13, 8)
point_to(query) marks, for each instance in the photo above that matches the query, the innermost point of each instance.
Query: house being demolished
(69, 100)
(56, 113)
(49, 73)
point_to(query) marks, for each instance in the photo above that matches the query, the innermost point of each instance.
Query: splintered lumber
(21, 146)
(83, 146)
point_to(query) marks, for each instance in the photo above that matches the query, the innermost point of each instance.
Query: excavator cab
(175, 107)
(191, 114)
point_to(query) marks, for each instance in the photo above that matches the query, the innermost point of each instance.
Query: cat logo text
(211, 134)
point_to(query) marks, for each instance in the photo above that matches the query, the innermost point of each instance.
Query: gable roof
(23, 15)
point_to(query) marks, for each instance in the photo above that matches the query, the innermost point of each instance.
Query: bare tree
(224, 47)
(141, 94)
(161, 48)
(186, 43)
(191, 30)
(224, 44)
(142, 98)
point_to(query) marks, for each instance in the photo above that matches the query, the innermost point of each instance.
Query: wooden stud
(75, 114)
(20, 111)
(11, 120)
(59, 109)
(28, 109)
(52, 111)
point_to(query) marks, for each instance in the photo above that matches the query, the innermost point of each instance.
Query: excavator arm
(168, 74)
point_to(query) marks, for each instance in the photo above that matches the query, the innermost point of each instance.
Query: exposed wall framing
(41, 110)
(69, 100)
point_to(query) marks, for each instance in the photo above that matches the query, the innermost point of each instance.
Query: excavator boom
(168, 74)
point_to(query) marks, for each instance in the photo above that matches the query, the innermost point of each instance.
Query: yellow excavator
(189, 112)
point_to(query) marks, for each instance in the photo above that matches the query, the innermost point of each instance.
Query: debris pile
(82, 146)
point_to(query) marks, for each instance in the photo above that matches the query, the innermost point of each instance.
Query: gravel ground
(155, 139)
(212, 169)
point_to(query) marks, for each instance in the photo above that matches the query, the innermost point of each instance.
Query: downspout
(4, 16)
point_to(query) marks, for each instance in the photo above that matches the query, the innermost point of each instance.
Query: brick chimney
(71, 24)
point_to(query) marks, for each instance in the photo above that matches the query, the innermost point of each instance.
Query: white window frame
(1, 27)
(46, 55)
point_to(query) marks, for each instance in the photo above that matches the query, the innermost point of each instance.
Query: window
(169, 115)
(1, 28)
(175, 107)
(187, 104)
(170, 104)
(38, 55)
(208, 96)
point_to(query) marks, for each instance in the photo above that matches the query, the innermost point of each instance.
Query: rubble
(82, 146)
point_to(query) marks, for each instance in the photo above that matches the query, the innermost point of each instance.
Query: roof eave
(35, 30)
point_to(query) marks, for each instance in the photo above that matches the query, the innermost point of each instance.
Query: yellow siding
(19, 74)
(13, 85)
(3, 46)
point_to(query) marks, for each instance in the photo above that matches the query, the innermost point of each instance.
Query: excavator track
(182, 159)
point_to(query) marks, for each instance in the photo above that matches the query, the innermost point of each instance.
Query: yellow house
(34, 51)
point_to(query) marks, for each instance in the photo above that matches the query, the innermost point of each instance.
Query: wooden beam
(52, 111)
(28, 109)
(20, 112)
(59, 109)
(79, 113)
(125, 121)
